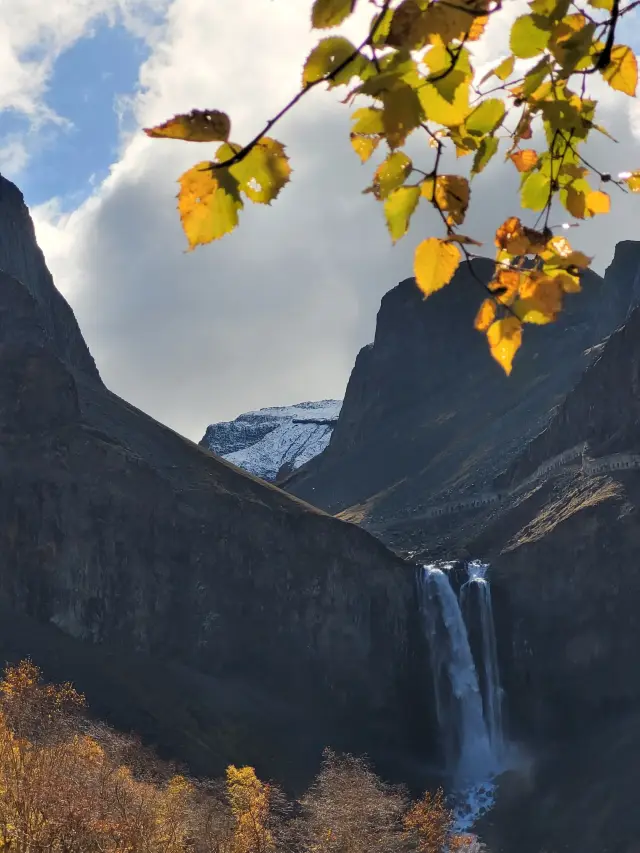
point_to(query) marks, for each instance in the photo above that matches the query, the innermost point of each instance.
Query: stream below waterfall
(460, 632)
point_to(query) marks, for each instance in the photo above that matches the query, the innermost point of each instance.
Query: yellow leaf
(263, 172)
(541, 299)
(427, 189)
(327, 56)
(434, 264)
(364, 146)
(622, 71)
(486, 117)
(452, 195)
(402, 113)
(504, 338)
(398, 209)
(598, 202)
(632, 180)
(196, 126)
(486, 315)
(367, 120)
(391, 173)
(330, 13)
(208, 202)
(524, 160)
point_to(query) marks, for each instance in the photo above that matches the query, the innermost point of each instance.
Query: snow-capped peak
(274, 440)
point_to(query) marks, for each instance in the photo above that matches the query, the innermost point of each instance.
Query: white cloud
(275, 312)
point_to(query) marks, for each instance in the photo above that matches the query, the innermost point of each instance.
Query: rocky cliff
(566, 598)
(273, 442)
(429, 417)
(129, 551)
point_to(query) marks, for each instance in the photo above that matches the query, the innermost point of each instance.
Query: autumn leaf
(529, 36)
(391, 173)
(632, 180)
(535, 192)
(208, 202)
(327, 56)
(541, 299)
(525, 159)
(364, 146)
(263, 172)
(434, 265)
(486, 315)
(504, 338)
(622, 72)
(367, 120)
(398, 210)
(598, 202)
(196, 126)
(486, 150)
(486, 117)
(330, 13)
(402, 113)
(452, 195)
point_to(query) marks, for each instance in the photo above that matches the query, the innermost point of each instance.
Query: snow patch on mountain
(276, 439)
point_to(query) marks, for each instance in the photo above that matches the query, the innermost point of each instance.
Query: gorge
(228, 620)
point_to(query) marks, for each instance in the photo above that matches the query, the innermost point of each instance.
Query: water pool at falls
(467, 691)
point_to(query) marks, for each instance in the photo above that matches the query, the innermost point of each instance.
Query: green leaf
(486, 117)
(534, 194)
(330, 13)
(367, 120)
(398, 210)
(529, 36)
(536, 77)
(263, 172)
(327, 56)
(391, 173)
(488, 147)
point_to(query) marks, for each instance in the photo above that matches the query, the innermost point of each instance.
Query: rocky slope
(566, 599)
(429, 417)
(249, 614)
(273, 442)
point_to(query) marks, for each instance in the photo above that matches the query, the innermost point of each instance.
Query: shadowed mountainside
(124, 541)
(429, 416)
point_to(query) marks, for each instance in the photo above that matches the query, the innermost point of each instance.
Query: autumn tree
(415, 72)
(348, 809)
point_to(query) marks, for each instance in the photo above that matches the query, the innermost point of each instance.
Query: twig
(240, 155)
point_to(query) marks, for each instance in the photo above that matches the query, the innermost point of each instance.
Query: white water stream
(468, 703)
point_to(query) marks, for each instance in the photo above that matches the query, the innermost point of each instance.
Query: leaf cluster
(415, 73)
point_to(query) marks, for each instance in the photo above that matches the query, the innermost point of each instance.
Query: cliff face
(127, 540)
(566, 594)
(429, 417)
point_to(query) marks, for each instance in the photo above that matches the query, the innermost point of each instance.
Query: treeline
(70, 785)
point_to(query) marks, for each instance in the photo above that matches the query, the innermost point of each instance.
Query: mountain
(273, 442)
(208, 610)
(566, 598)
(429, 419)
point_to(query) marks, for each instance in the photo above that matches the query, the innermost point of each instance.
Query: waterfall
(492, 694)
(468, 695)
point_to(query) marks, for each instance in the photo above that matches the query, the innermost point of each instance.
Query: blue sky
(88, 91)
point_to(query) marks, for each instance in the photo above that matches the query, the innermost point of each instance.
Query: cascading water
(475, 596)
(468, 708)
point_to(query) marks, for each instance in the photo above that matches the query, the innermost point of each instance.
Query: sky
(276, 312)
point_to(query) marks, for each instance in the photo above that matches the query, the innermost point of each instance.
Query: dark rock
(428, 415)
(122, 540)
